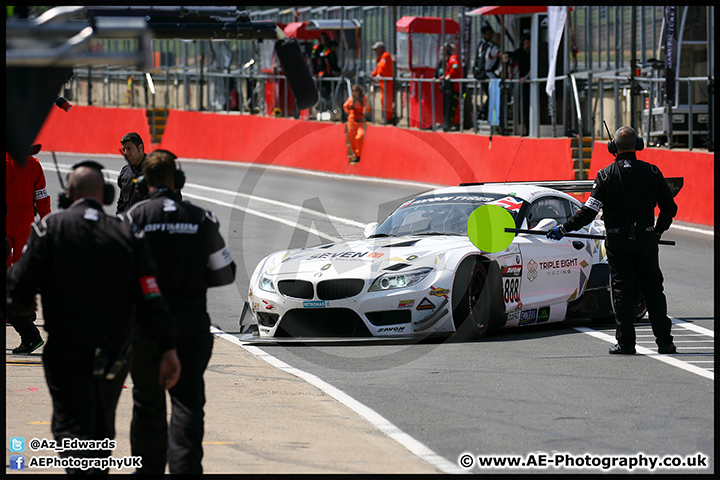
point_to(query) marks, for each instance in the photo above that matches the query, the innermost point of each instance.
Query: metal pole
(633, 66)
(690, 115)
(711, 81)
(90, 85)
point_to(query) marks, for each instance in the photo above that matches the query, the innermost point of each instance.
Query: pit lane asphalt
(258, 419)
(519, 391)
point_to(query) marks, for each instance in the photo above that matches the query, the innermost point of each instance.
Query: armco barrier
(696, 200)
(389, 152)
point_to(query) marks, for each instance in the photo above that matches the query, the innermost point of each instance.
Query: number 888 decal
(511, 290)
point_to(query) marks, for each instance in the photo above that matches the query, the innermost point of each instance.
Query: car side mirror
(370, 229)
(546, 224)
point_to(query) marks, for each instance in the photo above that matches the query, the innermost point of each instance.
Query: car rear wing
(577, 186)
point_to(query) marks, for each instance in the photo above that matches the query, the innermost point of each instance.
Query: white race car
(418, 274)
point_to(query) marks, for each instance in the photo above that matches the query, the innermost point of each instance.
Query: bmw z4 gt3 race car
(418, 274)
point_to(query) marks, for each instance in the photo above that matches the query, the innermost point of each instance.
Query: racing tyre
(640, 311)
(472, 315)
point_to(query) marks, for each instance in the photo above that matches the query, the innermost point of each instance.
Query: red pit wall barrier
(92, 129)
(389, 152)
(696, 200)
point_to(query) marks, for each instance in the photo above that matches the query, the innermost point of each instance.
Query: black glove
(556, 233)
(657, 235)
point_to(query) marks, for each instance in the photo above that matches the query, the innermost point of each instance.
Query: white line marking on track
(377, 420)
(674, 226)
(693, 327)
(650, 353)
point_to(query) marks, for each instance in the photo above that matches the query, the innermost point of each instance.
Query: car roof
(524, 191)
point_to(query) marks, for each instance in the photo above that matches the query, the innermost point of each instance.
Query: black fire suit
(628, 191)
(91, 270)
(125, 181)
(191, 256)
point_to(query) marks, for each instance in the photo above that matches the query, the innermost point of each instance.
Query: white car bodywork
(416, 282)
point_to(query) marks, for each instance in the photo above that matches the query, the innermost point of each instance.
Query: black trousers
(181, 445)
(451, 99)
(25, 326)
(636, 263)
(83, 406)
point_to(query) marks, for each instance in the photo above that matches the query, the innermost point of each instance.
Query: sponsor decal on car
(406, 303)
(391, 329)
(555, 264)
(532, 268)
(528, 317)
(426, 305)
(439, 292)
(345, 256)
(543, 314)
(315, 304)
(512, 271)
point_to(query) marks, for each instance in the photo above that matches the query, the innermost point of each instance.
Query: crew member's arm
(668, 207)
(157, 323)
(120, 202)
(42, 198)
(221, 266)
(585, 215)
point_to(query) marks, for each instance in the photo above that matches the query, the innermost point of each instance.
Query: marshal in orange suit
(356, 108)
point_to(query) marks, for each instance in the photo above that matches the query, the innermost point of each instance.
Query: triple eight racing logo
(557, 267)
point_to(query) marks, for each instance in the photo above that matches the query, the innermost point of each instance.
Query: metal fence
(237, 76)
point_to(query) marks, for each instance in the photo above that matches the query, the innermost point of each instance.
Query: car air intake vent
(396, 267)
(341, 288)
(393, 317)
(296, 289)
(409, 243)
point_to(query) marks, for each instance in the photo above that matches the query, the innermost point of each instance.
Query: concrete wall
(389, 152)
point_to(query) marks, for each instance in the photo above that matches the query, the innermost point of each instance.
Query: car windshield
(440, 214)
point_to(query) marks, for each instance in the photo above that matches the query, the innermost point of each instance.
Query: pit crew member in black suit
(91, 271)
(628, 191)
(191, 257)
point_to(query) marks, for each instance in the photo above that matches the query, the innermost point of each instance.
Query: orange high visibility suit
(25, 192)
(356, 110)
(384, 68)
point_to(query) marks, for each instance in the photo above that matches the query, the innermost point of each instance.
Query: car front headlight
(390, 281)
(266, 284)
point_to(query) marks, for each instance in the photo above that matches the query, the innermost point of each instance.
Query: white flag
(556, 24)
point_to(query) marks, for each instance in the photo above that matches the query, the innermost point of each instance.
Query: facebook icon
(17, 462)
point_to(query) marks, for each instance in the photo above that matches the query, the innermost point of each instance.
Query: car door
(553, 271)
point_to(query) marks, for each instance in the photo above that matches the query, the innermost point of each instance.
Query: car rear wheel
(640, 311)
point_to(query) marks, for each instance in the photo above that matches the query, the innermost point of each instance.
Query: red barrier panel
(389, 152)
(247, 138)
(696, 200)
(92, 129)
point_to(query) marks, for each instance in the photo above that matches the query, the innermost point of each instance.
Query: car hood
(364, 258)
